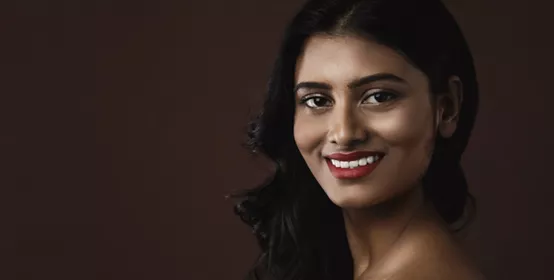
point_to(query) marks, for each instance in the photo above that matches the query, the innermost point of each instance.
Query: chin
(356, 199)
(359, 197)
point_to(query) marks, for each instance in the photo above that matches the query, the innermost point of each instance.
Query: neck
(372, 232)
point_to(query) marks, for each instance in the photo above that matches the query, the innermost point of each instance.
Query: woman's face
(364, 120)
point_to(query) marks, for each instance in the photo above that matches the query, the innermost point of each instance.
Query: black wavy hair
(299, 230)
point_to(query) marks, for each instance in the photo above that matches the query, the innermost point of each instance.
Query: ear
(448, 107)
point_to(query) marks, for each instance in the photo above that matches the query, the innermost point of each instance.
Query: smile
(353, 165)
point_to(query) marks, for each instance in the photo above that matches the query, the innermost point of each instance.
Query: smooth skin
(353, 94)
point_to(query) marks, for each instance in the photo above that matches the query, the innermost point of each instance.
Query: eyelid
(370, 92)
(314, 94)
(373, 91)
(376, 90)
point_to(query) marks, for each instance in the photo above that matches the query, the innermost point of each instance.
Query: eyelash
(305, 101)
(392, 96)
(309, 98)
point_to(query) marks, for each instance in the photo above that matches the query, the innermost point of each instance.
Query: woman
(369, 109)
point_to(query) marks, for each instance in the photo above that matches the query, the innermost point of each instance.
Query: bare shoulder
(430, 254)
(439, 267)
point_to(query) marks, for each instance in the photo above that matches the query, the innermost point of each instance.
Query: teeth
(353, 164)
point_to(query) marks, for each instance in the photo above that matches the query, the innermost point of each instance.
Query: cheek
(407, 135)
(407, 127)
(309, 131)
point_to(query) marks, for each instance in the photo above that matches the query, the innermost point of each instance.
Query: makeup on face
(363, 119)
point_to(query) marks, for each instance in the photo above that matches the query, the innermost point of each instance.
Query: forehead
(337, 59)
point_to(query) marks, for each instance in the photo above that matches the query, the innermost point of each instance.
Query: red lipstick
(353, 165)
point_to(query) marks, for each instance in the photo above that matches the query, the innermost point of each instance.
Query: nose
(347, 128)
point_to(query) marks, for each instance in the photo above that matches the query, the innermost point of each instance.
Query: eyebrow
(354, 84)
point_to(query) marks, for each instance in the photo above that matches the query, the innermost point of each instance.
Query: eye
(315, 102)
(380, 97)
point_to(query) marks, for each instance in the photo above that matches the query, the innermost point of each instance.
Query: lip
(353, 173)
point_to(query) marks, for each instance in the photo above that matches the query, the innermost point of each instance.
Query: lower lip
(352, 173)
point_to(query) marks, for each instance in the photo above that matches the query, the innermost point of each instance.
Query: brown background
(122, 125)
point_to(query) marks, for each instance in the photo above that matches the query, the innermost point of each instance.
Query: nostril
(349, 141)
(347, 136)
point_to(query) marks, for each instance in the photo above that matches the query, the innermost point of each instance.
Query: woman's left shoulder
(436, 254)
(439, 270)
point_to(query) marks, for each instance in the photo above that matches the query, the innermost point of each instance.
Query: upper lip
(353, 155)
